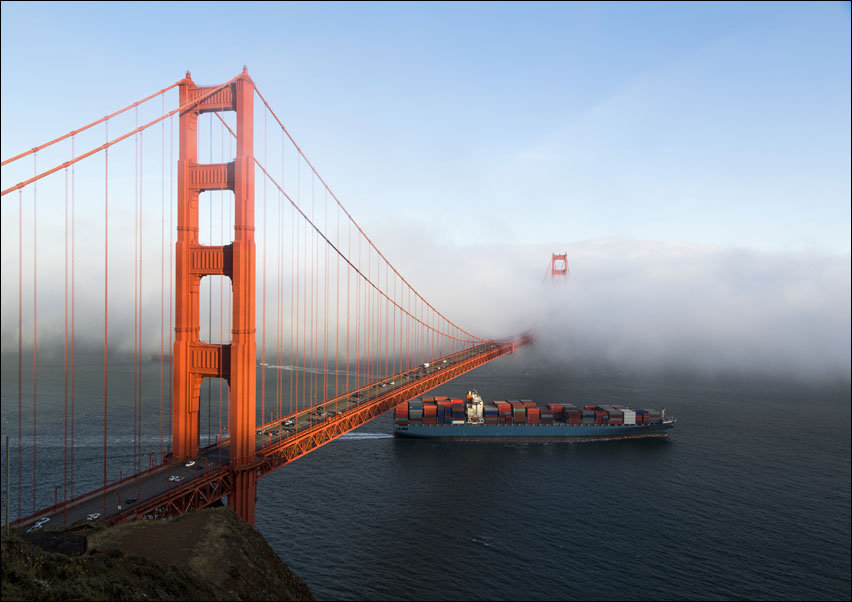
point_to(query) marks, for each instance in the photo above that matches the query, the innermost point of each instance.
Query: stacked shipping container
(443, 410)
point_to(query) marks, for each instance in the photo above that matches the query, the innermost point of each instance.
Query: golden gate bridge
(343, 335)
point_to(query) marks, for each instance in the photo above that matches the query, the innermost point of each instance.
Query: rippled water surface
(749, 498)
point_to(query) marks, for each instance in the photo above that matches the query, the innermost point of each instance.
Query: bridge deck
(153, 494)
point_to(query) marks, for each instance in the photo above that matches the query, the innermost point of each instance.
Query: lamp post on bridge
(56, 489)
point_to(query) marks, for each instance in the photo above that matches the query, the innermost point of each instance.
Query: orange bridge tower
(559, 267)
(193, 360)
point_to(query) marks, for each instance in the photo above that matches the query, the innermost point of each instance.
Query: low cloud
(650, 306)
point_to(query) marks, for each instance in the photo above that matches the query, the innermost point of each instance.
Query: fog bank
(651, 306)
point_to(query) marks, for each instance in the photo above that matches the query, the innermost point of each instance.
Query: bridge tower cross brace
(194, 360)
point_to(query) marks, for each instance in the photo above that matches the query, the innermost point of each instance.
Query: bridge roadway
(156, 492)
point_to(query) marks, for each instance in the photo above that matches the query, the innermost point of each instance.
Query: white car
(42, 520)
(190, 463)
(289, 423)
(174, 477)
(94, 516)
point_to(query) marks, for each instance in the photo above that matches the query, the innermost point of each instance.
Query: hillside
(210, 554)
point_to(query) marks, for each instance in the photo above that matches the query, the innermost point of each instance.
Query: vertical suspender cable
(387, 325)
(73, 316)
(135, 284)
(263, 294)
(279, 301)
(337, 317)
(20, 341)
(367, 320)
(279, 298)
(306, 323)
(358, 321)
(171, 268)
(348, 299)
(282, 302)
(106, 295)
(292, 288)
(162, 260)
(65, 346)
(139, 293)
(35, 324)
(279, 331)
(297, 272)
(325, 307)
(311, 391)
(135, 289)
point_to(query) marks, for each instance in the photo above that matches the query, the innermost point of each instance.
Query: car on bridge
(190, 464)
(289, 423)
(174, 478)
(93, 516)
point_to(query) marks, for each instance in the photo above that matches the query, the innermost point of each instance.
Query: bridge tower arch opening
(558, 267)
(193, 359)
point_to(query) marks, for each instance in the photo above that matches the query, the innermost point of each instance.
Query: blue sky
(693, 159)
(722, 124)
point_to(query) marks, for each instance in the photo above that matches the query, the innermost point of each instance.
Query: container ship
(522, 419)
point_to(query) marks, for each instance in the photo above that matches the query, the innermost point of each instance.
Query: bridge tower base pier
(243, 500)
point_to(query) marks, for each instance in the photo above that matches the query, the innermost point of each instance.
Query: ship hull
(530, 432)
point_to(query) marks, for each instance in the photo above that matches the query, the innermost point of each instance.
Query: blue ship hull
(520, 432)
